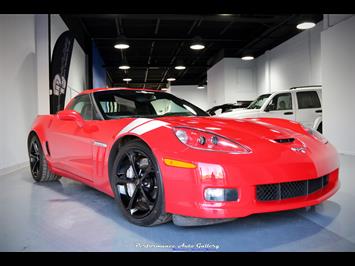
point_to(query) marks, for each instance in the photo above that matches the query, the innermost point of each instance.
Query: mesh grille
(290, 189)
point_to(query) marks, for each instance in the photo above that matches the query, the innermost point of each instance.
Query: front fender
(40, 127)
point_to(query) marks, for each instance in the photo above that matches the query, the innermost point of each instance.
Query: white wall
(24, 86)
(41, 39)
(216, 84)
(338, 78)
(231, 80)
(239, 80)
(295, 62)
(191, 94)
(18, 86)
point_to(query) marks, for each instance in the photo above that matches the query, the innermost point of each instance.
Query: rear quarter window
(308, 99)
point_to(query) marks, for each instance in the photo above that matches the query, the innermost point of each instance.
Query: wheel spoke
(132, 162)
(34, 157)
(35, 147)
(133, 199)
(146, 197)
(146, 172)
(123, 181)
(34, 166)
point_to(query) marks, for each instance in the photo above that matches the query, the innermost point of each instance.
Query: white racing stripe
(154, 124)
(135, 123)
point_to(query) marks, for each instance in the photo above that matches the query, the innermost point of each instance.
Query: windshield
(114, 104)
(258, 102)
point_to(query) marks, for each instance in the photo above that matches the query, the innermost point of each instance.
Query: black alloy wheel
(138, 186)
(35, 159)
(38, 162)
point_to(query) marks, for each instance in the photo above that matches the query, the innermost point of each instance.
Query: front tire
(38, 163)
(137, 184)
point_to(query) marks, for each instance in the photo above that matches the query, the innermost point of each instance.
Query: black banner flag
(59, 71)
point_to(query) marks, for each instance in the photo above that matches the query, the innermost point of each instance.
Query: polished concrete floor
(69, 216)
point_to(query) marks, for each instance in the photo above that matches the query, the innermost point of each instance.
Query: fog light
(221, 194)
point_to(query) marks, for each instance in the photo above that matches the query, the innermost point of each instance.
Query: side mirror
(71, 115)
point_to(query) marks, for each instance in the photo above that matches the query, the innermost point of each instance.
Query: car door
(280, 106)
(308, 107)
(71, 145)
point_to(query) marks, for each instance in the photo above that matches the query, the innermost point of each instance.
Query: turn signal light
(177, 163)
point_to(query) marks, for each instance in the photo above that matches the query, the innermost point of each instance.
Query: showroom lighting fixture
(124, 65)
(180, 65)
(197, 44)
(200, 87)
(121, 43)
(305, 25)
(247, 58)
(171, 79)
(127, 79)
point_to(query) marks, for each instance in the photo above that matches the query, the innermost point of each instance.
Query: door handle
(288, 113)
(318, 111)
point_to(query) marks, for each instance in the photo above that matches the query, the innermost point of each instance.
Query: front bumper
(184, 188)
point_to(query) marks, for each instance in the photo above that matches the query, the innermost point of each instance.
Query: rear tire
(137, 184)
(38, 163)
(320, 128)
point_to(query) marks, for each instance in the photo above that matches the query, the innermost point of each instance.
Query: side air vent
(289, 140)
(47, 147)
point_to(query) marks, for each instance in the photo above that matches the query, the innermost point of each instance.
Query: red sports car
(162, 158)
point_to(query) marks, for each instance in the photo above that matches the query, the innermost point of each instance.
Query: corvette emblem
(299, 149)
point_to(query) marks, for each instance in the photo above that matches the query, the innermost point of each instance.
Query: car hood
(240, 112)
(236, 129)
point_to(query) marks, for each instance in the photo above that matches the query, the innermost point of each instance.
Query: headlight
(202, 140)
(315, 134)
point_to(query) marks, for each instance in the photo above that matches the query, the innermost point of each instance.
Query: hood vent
(288, 140)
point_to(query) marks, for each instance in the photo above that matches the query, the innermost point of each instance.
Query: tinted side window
(308, 99)
(83, 106)
(282, 101)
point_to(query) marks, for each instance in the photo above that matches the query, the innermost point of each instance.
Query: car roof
(113, 89)
(297, 89)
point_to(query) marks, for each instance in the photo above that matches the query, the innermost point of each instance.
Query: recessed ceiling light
(180, 67)
(197, 46)
(170, 79)
(197, 43)
(127, 79)
(121, 46)
(247, 58)
(121, 43)
(123, 67)
(305, 25)
(200, 87)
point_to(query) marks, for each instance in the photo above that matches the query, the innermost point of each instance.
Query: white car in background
(301, 104)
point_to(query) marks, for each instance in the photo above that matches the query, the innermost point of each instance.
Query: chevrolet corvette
(162, 158)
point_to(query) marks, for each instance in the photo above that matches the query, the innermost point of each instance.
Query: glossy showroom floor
(69, 216)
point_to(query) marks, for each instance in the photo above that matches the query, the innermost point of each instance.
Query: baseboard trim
(347, 153)
(10, 169)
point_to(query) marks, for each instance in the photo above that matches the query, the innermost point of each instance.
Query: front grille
(288, 190)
